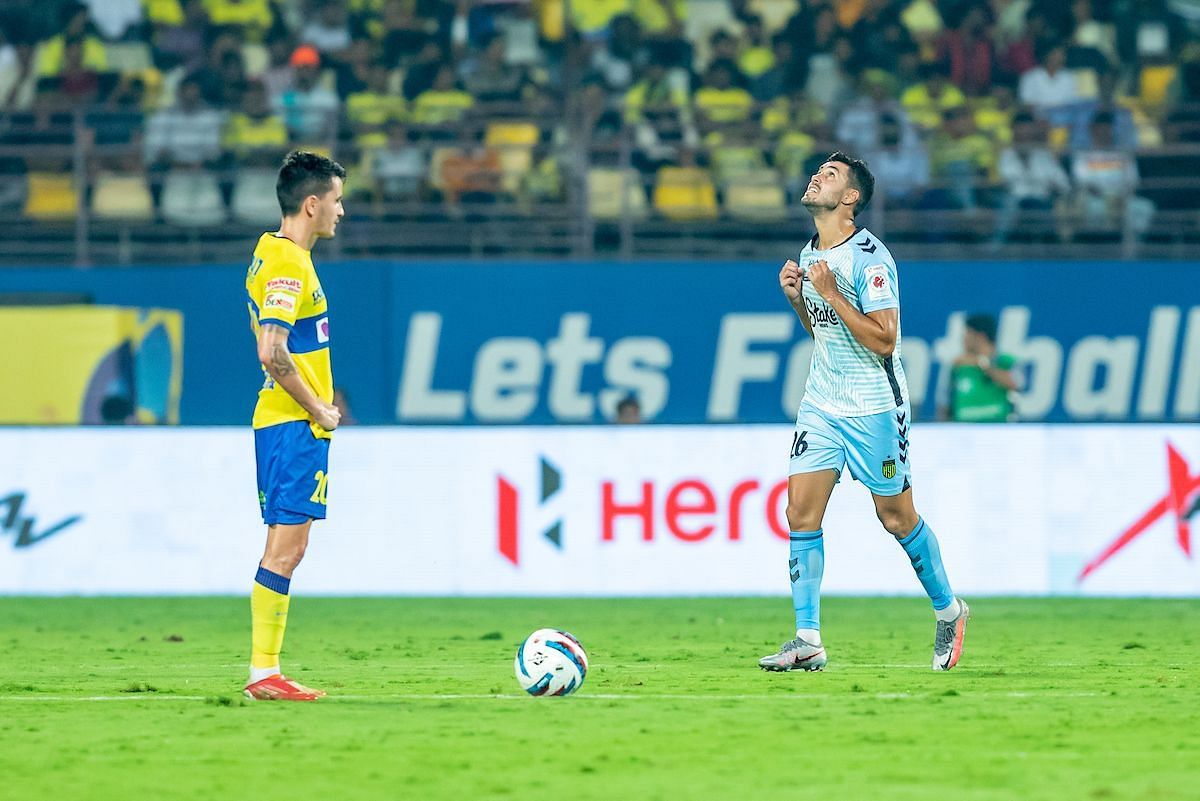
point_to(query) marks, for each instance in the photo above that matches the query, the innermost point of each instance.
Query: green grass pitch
(1055, 699)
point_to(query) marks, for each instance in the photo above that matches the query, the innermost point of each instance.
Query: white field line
(780, 696)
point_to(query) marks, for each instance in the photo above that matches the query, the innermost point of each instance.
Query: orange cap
(305, 56)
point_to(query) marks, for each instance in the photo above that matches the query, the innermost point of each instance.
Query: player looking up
(295, 416)
(855, 409)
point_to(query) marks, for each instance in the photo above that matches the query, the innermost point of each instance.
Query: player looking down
(295, 416)
(855, 410)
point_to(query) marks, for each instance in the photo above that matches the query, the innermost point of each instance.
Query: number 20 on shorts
(322, 479)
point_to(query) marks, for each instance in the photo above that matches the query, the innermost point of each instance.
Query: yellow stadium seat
(51, 196)
(685, 193)
(122, 196)
(755, 201)
(729, 162)
(605, 186)
(502, 134)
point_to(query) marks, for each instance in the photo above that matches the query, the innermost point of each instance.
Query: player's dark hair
(983, 324)
(304, 174)
(860, 178)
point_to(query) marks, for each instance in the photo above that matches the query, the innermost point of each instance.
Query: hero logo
(1182, 501)
(323, 329)
(692, 510)
(508, 512)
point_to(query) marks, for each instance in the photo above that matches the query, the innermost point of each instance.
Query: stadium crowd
(1028, 109)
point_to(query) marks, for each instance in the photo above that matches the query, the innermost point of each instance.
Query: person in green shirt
(982, 381)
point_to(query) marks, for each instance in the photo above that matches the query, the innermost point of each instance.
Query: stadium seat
(128, 57)
(513, 143)
(685, 193)
(122, 196)
(756, 195)
(605, 185)
(192, 198)
(254, 197)
(731, 162)
(51, 196)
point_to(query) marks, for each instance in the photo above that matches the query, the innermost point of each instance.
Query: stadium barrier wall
(653, 510)
(561, 342)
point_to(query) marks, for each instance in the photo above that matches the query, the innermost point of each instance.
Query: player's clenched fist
(789, 281)
(823, 279)
(328, 417)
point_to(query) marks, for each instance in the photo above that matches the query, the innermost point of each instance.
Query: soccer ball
(550, 662)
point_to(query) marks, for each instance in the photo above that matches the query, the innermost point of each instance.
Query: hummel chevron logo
(863, 245)
(1182, 500)
(23, 526)
(792, 567)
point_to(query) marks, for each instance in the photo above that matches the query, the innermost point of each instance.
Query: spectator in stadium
(309, 108)
(369, 112)
(923, 21)
(185, 135)
(654, 93)
(592, 18)
(629, 411)
(114, 18)
(18, 78)
(252, 18)
(786, 71)
(900, 163)
(76, 84)
(1125, 129)
(1020, 54)
(982, 381)
(994, 113)
(421, 73)
(620, 57)
(254, 135)
(968, 49)
(279, 74)
(223, 79)
(1106, 181)
(662, 20)
(859, 122)
(930, 98)
(76, 27)
(962, 160)
(328, 29)
(756, 55)
(398, 169)
(720, 101)
(1050, 88)
(352, 68)
(489, 78)
(1033, 178)
(829, 74)
(443, 107)
(402, 33)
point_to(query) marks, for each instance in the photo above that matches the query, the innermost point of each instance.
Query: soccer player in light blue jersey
(855, 410)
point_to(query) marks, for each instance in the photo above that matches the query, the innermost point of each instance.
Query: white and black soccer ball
(550, 662)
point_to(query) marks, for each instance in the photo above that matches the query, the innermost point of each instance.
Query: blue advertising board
(518, 342)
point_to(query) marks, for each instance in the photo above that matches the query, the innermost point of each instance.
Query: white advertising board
(597, 511)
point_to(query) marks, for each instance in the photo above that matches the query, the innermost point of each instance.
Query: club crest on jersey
(889, 468)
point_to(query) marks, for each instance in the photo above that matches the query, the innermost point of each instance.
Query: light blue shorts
(874, 446)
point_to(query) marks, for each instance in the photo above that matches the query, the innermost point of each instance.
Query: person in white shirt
(1107, 178)
(1033, 178)
(1050, 88)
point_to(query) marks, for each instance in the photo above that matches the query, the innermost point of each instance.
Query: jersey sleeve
(282, 289)
(875, 284)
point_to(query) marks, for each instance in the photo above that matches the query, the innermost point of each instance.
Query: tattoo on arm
(281, 361)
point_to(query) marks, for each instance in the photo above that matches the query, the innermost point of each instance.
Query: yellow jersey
(282, 288)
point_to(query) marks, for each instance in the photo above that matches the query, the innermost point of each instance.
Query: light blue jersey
(845, 378)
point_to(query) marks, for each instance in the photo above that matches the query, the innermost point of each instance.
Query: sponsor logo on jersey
(280, 300)
(323, 329)
(318, 295)
(292, 285)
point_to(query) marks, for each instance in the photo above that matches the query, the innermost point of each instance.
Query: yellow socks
(268, 615)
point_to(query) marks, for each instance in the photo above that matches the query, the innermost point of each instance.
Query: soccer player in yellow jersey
(295, 416)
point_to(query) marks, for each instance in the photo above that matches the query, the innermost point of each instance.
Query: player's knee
(802, 518)
(898, 524)
(283, 560)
